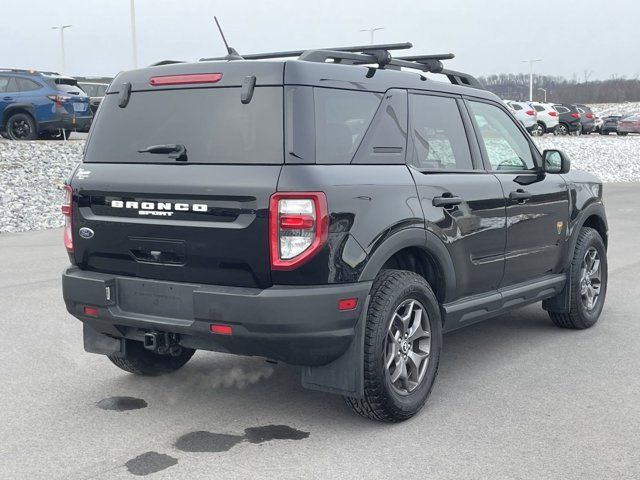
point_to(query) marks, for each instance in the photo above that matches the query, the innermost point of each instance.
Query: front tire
(588, 282)
(403, 340)
(140, 361)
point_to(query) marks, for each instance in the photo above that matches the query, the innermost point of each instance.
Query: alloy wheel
(407, 347)
(20, 129)
(590, 279)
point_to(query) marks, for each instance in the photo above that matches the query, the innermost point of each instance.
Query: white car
(524, 113)
(548, 118)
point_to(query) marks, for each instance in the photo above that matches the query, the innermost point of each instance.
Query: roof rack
(373, 54)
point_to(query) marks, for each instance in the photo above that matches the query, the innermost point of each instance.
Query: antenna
(232, 54)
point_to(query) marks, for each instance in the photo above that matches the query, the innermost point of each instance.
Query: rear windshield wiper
(177, 151)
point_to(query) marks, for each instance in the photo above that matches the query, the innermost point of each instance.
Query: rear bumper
(296, 325)
(68, 122)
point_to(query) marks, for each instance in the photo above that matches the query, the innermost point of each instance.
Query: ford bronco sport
(339, 211)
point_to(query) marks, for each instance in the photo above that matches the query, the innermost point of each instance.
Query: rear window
(212, 124)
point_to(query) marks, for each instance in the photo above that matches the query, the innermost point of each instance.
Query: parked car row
(45, 105)
(569, 119)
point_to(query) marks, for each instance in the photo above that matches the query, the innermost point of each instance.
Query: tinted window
(12, 85)
(4, 81)
(88, 88)
(26, 85)
(515, 106)
(539, 108)
(561, 109)
(212, 123)
(342, 118)
(438, 134)
(506, 146)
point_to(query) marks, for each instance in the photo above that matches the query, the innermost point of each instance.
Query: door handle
(520, 195)
(7, 98)
(446, 201)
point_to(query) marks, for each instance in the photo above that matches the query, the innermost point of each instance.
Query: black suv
(570, 120)
(332, 211)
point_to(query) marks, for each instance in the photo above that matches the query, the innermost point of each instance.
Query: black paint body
(484, 256)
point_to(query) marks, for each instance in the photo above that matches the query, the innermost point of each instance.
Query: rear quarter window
(342, 118)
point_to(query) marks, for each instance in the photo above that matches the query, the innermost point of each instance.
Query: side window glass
(516, 106)
(4, 82)
(26, 85)
(342, 118)
(505, 144)
(438, 134)
(12, 86)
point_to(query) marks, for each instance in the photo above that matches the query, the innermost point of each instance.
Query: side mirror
(556, 161)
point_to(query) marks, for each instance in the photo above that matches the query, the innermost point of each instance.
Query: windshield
(211, 123)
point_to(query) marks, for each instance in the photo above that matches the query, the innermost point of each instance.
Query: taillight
(553, 114)
(185, 79)
(575, 115)
(589, 115)
(530, 112)
(298, 227)
(58, 99)
(67, 211)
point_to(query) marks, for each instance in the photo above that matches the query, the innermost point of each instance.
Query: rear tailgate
(201, 217)
(186, 223)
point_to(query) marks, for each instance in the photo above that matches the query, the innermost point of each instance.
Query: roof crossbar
(373, 55)
(297, 53)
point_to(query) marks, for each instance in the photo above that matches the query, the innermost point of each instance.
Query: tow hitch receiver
(162, 343)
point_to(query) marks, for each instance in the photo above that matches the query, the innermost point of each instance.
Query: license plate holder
(159, 299)
(79, 107)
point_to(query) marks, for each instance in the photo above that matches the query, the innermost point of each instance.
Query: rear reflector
(347, 304)
(589, 115)
(575, 115)
(91, 311)
(221, 329)
(185, 79)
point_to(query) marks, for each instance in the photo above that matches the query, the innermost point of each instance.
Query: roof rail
(24, 70)
(166, 62)
(374, 54)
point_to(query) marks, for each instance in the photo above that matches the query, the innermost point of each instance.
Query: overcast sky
(490, 36)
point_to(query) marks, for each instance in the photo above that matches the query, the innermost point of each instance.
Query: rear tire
(538, 130)
(401, 301)
(562, 129)
(21, 126)
(622, 134)
(141, 361)
(587, 280)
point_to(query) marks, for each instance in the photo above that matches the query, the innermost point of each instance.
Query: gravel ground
(32, 173)
(31, 179)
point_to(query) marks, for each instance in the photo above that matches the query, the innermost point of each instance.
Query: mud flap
(345, 375)
(561, 303)
(96, 342)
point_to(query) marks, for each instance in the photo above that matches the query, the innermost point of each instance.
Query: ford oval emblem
(86, 233)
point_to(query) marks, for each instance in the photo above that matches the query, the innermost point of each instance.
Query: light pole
(63, 57)
(371, 32)
(133, 34)
(545, 93)
(531, 62)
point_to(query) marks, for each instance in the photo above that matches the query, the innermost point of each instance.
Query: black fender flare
(561, 303)
(413, 237)
(594, 209)
(18, 106)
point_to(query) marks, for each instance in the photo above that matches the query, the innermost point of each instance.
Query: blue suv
(41, 105)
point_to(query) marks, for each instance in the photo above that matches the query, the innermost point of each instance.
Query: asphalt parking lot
(515, 398)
